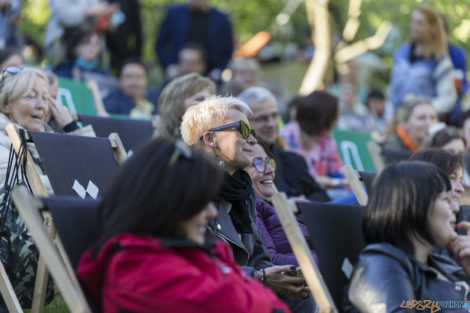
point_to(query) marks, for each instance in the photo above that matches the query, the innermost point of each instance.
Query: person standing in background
(195, 22)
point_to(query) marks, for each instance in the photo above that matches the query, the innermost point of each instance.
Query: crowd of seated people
(189, 225)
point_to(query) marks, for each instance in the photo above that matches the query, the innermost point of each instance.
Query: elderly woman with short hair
(178, 95)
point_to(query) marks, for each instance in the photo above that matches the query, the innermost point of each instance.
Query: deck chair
(354, 180)
(367, 179)
(29, 208)
(392, 155)
(132, 132)
(336, 234)
(312, 275)
(80, 97)
(75, 165)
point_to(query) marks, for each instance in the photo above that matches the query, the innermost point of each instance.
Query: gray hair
(256, 94)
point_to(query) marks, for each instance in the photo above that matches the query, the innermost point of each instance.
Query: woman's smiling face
(262, 182)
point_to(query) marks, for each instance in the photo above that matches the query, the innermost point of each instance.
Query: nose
(251, 140)
(41, 103)
(269, 169)
(458, 188)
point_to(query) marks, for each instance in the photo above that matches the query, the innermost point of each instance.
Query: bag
(18, 253)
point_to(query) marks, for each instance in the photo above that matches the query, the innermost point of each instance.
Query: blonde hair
(436, 39)
(404, 112)
(171, 105)
(15, 86)
(208, 114)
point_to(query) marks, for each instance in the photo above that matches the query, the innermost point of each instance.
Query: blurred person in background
(353, 114)
(10, 57)
(292, 174)
(69, 15)
(195, 22)
(83, 61)
(422, 67)
(180, 94)
(10, 35)
(131, 98)
(124, 40)
(310, 136)
(459, 61)
(410, 126)
(375, 103)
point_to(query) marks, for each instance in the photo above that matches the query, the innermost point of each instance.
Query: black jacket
(248, 249)
(386, 277)
(293, 178)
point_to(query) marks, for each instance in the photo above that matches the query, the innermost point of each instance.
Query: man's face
(231, 147)
(265, 120)
(133, 80)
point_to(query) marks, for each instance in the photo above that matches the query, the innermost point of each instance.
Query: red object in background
(102, 23)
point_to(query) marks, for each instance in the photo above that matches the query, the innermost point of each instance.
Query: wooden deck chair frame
(39, 190)
(68, 284)
(95, 93)
(312, 274)
(356, 184)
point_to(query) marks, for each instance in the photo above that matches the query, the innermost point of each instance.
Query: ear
(209, 139)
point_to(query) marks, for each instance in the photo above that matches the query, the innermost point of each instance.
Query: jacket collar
(445, 265)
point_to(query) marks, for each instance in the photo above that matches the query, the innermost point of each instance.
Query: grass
(56, 306)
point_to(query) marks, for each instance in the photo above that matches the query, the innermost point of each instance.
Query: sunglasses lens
(245, 129)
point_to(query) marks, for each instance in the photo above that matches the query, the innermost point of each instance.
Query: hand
(460, 246)
(279, 282)
(328, 183)
(60, 113)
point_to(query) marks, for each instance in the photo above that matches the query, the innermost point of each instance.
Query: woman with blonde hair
(422, 66)
(25, 102)
(410, 127)
(176, 97)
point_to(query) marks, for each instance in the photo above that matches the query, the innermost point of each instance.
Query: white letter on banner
(347, 146)
(68, 99)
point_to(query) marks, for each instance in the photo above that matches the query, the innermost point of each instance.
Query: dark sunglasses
(242, 126)
(181, 149)
(261, 164)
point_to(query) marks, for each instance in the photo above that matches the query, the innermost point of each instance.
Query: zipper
(228, 240)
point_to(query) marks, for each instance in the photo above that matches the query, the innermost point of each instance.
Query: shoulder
(403, 51)
(177, 8)
(218, 13)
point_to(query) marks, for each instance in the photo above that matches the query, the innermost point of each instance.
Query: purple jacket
(273, 236)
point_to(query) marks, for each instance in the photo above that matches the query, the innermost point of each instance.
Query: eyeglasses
(180, 149)
(242, 126)
(261, 164)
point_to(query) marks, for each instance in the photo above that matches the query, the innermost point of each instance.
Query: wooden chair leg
(42, 274)
(300, 248)
(8, 294)
(28, 208)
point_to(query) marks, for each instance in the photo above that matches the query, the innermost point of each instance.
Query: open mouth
(37, 116)
(266, 182)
